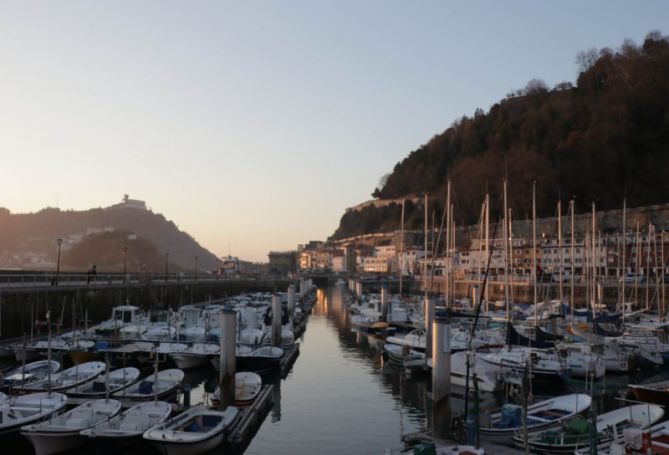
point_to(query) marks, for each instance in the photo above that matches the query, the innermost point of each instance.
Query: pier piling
(227, 322)
(441, 378)
(276, 321)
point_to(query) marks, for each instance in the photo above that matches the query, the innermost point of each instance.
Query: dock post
(476, 293)
(276, 321)
(227, 322)
(441, 378)
(384, 304)
(429, 318)
(291, 305)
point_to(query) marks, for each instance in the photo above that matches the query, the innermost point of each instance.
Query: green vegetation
(602, 140)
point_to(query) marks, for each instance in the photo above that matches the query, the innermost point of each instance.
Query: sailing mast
(573, 262)
(534, 249)
(559, 220)
(594, 263)
(487, 244)
(646, 273)
(636, 268)
(401, 261)
(624, 263)
(425, 250)
(447, 243)
(506, 255)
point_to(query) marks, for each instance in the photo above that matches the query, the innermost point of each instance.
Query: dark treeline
(603, 139)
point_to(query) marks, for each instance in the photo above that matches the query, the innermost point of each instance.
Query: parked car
(633, 278)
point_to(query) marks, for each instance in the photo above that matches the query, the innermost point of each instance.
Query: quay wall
(19, 308)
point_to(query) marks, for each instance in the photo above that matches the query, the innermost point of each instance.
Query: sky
(255, 124)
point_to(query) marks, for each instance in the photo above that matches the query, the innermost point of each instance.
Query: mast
(594, 261)
(534, 250)
(573, 262)
(425, 249)
(447, 243)
(636, 268)
(512, 265)
(624, 263)
(401, 261)
(559, 220)
(646, 273)
(487, 243)
(506, 255)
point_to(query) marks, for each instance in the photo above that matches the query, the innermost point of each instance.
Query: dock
(288, 359)
(251, 417)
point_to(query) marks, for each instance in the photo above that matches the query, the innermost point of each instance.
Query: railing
(82, 279)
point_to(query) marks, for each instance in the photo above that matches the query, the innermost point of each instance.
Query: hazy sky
(259, 122)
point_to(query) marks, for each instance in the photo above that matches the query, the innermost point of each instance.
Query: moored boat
(110, 383)
(195, 431)
(502, 425)
(159, 386)
(31, 372)
(74, 376)
(247, 388)
(62, 432)
(28, 409)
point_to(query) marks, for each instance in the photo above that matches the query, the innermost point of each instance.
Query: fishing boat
(197, 430)
(161, 385)
(247, 388)
(29, 373)
(505, 423)
(578, 433)
(62, 432)
(129, 427)
(112, 382)
(28, 409)
(66, 379)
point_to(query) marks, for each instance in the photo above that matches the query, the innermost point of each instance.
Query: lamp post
(167, 260)
(125, 259)
(59, 242)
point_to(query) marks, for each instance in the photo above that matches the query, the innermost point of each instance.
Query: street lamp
(125, 258)
(167, 260)
(59, 241)
(195, 268)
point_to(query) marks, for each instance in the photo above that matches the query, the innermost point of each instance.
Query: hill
(602, 139)
(29, 239)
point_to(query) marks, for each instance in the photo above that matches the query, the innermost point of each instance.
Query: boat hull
(189, 361)
(177, 448)
(46, 443)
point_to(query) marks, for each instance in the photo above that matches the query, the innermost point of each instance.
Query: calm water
(339, 398)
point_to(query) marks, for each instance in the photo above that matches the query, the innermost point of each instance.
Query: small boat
(110, 383)
(159, 386)
(655, 392)
(577, 433)
(195, 356)
(28, 409)
(262, 358)
(247, 388)
(3, 398)
(66, 379)
(197, 430)
(31, 372)
(541, 416)
(396, 354)
(62, 432)
(129, 426)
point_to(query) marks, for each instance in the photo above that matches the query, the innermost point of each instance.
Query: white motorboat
(264, 357)
(197, 430)
(31, 372)
(130, 426)
(541, 365)
(578, 432)
(247, 388)
(195, 356)
(502, 425)
(488, 376)
(110, 383)
(28, 409)
(159, 385)
(77, 375)
(62, 432)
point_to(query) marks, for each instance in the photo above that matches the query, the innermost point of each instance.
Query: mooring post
(276, 321)
(428, 305)
(476, 293)
(441, 378)
(228, 326)
(291, 305)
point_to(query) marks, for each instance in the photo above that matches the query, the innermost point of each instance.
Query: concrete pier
(441, 378)
(228, 325)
